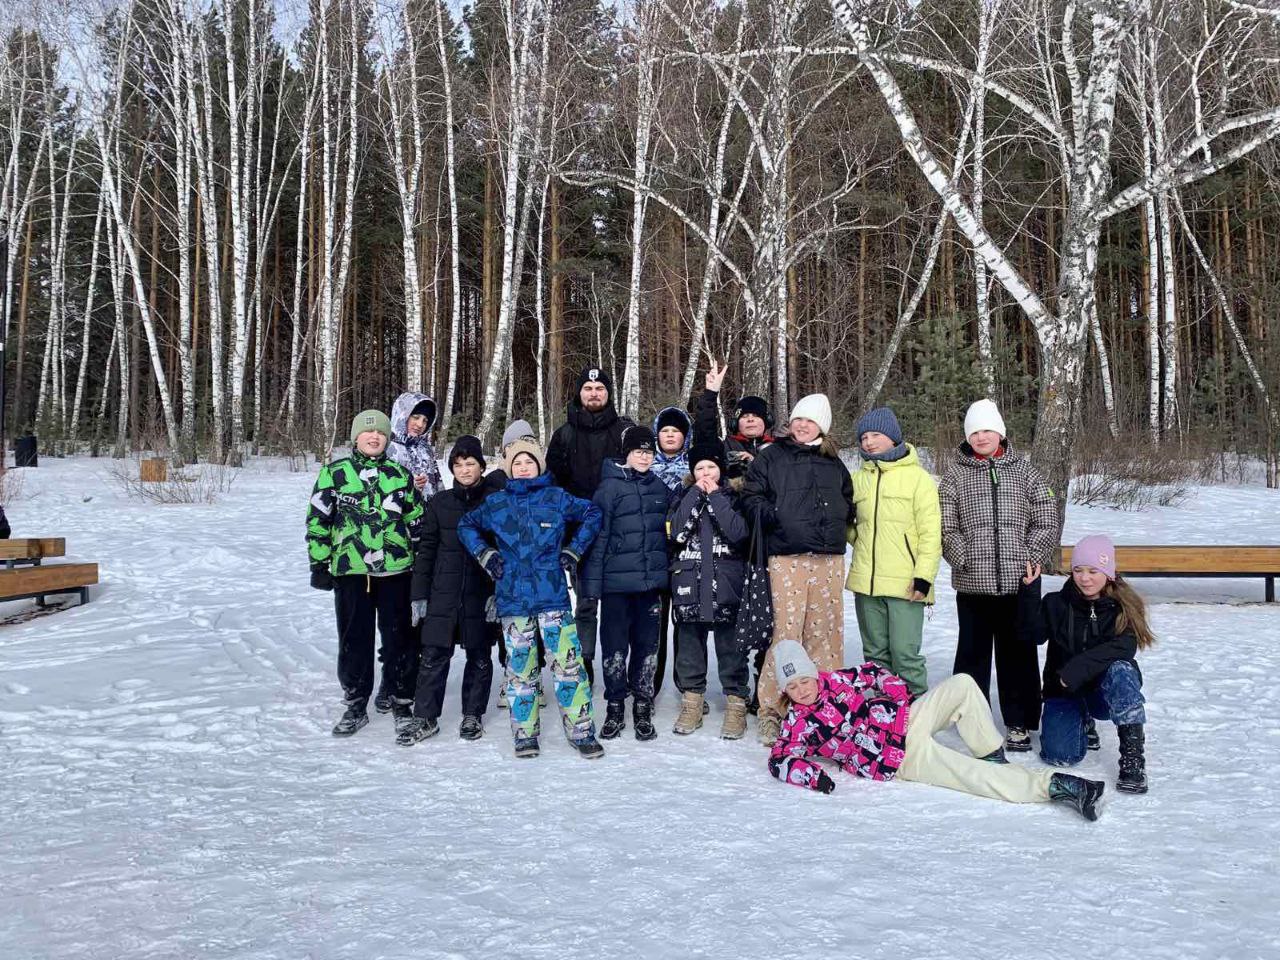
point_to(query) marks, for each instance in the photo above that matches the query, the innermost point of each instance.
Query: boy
(361, 529)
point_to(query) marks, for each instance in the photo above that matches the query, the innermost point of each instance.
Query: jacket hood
(684, 424)
(527, 486)
(403, 409)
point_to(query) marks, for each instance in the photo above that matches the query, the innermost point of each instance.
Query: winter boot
(401, 713)
(1091, 740)
(734, 725)
(382, 702)
(1133, 763)
(588, 747)
(690, 718)
(996, 756)
(615, 720)
(769, 728)
(1018, 740)
(642, 714)
(415, 730)
(471, 728)
(355, 717)
(1077, 792)
(526, 747)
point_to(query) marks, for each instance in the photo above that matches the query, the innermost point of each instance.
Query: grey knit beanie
(792, 662)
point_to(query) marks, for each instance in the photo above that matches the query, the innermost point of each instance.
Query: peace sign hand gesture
(715, 376)
(1033, 573)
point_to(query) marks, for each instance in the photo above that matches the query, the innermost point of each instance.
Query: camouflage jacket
(363, 517)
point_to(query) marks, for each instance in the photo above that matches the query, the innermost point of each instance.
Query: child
(897, 546)
(671, 460)
(412, 416)
(997, 513)
(517, 534)
(450, 595)
(708, 534)
(626, 570)
(361, 528)
(866, 721)
(1095, 626)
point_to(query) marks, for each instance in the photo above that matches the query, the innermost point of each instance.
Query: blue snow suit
(630, 555)
(672, 468)
(526, 524)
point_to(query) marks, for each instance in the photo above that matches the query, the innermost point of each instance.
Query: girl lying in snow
(866, 721)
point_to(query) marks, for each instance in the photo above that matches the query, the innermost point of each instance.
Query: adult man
(591, 432)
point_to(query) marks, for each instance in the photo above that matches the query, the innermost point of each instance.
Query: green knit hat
(370, 420)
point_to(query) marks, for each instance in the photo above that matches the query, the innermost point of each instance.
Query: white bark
(82, 375)
(455, 270)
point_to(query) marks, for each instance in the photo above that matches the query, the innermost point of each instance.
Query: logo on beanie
(368, 421)
(1103, 559)
(788, 669)
(593, 373)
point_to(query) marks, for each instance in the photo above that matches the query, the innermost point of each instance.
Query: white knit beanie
(815, 407)
(792, 663)
(983, 415)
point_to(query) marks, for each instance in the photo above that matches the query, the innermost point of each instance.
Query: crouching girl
(1095, 625)
(865, 720)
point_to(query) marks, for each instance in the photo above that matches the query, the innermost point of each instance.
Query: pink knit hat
(1096, 551)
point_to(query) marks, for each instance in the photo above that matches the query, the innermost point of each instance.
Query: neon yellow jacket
(897, 533)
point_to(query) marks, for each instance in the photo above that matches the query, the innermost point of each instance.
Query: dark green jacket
(363, 517)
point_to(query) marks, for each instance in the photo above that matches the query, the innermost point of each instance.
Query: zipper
(995, 514)
(875, 528)
(910, 552)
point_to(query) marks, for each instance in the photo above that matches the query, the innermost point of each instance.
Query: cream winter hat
(815, 407)
(983, 415)
(792, 663)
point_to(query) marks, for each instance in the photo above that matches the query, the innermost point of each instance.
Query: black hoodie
(586, 438)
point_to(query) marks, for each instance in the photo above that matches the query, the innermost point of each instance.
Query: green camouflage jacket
(363, 517)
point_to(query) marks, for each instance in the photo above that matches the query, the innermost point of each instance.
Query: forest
(226, 225)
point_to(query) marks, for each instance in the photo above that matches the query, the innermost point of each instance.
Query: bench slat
(55, 576)
(1172, 560)
(33, 548)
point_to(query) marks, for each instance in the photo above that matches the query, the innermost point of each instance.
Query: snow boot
(1077, 792)
(734, 725)
(996, 756)
(690, 718)
(1091, 740)
(471, 728)
(1018, 740)
(1133, 763)
(615, 720)
(526, 747)
(588, 747)
(401, 713)
(415, 730)
(769, 728)
(355, 717)
(642, 714)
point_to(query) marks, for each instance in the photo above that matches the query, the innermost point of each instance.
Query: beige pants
(958, 700)
(808, 606)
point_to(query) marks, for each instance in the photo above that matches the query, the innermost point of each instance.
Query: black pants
(627, 640)
(361, 603)
(992, 621)
(433, 676)
(664, 630)
(691, 659)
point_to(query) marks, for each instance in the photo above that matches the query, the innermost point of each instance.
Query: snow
(171, 789)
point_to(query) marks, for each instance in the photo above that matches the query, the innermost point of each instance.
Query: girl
(897, 546)
(803, 496)
(866, 721)
(626, 571)
(518, 535)
(997, 514)
(412, 416)
(708, 534)
(1094, 625)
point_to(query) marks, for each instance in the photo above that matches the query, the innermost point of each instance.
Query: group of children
(664, 538)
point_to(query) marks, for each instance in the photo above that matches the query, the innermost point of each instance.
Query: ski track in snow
(171, 788)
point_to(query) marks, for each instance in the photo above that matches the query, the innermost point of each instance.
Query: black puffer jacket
(706, 423)
(803, 496)
(630, 553)
(708, 536)
(581, 444)
(1081, 634)
(455, 587)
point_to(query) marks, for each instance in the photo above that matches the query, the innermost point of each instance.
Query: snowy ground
(171, 790)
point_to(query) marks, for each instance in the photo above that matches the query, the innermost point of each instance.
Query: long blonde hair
(1133, 611)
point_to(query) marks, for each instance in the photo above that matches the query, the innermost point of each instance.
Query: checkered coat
(997, 513)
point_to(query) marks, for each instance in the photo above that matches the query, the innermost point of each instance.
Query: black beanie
(425, 408)
(466, 446)
(637, 437)
(599, 375)
(756, 405)
(673, 417)
(712, 450)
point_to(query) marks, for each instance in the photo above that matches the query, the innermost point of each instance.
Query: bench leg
(84, 596)
(1271, 590)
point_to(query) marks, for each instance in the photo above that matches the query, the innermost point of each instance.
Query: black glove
(568, 562)
(321, 578)
(825, 783)
(492, 563)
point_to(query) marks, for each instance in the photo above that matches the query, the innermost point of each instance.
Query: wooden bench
(33, 550)
(1192, 561)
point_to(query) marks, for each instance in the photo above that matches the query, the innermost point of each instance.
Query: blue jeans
(1117, 696)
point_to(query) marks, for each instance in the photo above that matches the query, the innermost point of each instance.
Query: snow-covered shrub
(199, 483)
(1128, 477)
